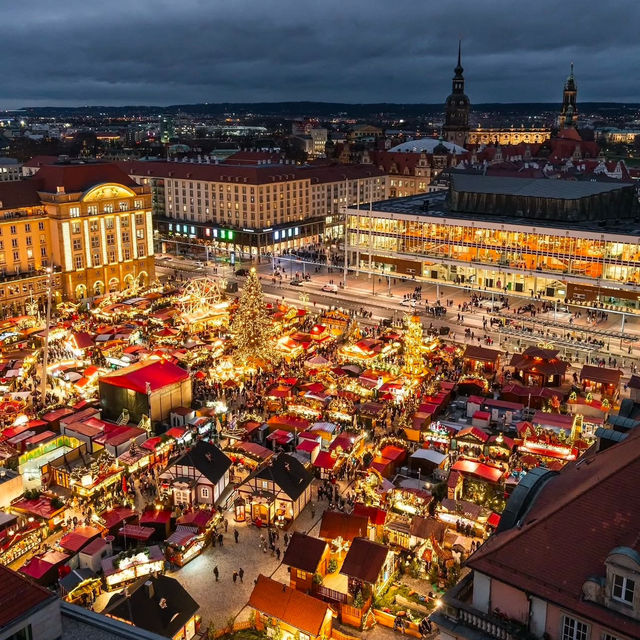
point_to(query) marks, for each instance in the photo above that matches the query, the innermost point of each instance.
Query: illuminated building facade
(551, 244)
(24, 247)
(511, 135)
(101, 230)
(253, 210)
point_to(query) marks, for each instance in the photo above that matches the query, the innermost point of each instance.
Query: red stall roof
(482, 471)
(136, 532)
(325, 460)
(116, 516)
(157, 375)
(155, 516)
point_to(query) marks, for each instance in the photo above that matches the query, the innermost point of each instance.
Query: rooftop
(288, 605)
(599, 490)
(434, 206)
(532, 187)
(19, 596)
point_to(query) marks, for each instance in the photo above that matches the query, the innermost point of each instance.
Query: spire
(459, 68)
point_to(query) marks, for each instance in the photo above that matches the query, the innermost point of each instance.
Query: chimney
(59, 189)
(148, 588)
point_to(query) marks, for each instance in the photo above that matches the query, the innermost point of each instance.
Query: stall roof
(136, 532)
(156, 374)
(478, 469)
(431, 455)
(78, 538)
(600, 375)
(364, 560)
(347, 526)
(481, 354)
(156, 516)
(325, 460)
(115, 516)
(308, 446)
(291, 606)
(304, 552)
(182, 535)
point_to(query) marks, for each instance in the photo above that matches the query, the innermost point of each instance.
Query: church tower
(457, 107)
(569, 111)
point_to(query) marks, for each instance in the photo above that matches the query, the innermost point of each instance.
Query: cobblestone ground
(223, 600)
(220, 601)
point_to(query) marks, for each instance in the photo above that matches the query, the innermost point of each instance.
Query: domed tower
(457, 107)
(569, 100)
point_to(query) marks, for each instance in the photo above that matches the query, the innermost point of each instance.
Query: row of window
(96, 259)
(108, 207)
(13, 229)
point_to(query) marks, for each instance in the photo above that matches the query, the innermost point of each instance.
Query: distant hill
(322, 109)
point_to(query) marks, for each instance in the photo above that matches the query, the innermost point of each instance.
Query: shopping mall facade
(573, 241)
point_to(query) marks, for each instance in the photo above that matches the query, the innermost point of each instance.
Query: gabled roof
(597, 500)
(164, 608)
(207, 459)
(304, 552)
(347, 526)
(19, 596)
(288, 473)
(364, 560)
(157, 374)
(288, 605)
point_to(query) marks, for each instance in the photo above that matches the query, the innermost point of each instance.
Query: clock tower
(457, 107)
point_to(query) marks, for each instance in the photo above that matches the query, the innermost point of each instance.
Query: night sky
(76, 52)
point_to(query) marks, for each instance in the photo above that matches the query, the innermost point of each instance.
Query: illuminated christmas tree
(252, 328)
(413, 359)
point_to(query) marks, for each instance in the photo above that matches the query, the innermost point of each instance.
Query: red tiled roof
(79, 177)
(597, 500)
(157, 374)
(288, 605)
(251, 174)
(18, 596)
(17, 194)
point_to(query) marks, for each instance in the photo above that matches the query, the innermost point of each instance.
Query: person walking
(215, 573)
(278, 554)
(226, 525)
(241, 574)
(235, 576)
(236, 535)
(220, 539)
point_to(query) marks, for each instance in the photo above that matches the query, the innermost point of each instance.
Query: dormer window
(623, 589)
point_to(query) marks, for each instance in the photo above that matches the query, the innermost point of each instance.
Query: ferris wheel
(200, 297)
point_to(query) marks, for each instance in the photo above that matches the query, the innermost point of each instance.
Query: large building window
(573, 629)
(74, 212)
(623, 589)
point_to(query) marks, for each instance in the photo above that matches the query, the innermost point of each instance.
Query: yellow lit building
(24, 247)
(100, 227)
(90, 223)
(510, 135)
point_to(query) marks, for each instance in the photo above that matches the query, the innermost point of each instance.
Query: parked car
(242, 272)
(296, 283)
(408, 302)
(331, 288)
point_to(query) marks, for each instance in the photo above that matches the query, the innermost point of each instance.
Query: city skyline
(157, 54)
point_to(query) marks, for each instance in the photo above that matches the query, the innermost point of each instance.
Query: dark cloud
(160, 52)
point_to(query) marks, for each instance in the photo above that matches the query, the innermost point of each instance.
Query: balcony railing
(458, 610)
